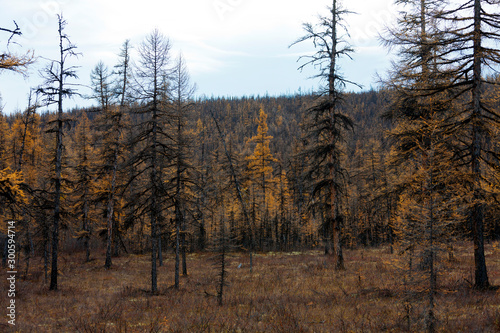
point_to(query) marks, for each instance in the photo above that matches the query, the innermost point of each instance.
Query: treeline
(239, 119)
(281, 223)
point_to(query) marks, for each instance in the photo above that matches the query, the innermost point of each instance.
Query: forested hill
(238, 119)
(277, 198)
(285, 116)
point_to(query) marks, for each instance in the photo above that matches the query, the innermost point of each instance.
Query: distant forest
(282, 223)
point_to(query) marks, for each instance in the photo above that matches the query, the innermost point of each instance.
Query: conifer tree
(261, 171)
(454, 52)
(10, 189)
(326, 123)
(151, 92)
(202, 183)
(223, 242)
(249, 226)
(55, 89)
(181, 94)
(283, 226)
(84, 181)
(472, 33)
(124, 73)
(422, 138)
(110, 125)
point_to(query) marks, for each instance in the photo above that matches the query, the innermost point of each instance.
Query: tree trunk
(110, 209)
(86, 228)
(334, 200)
(109, 240)
(57, 198)
(177, 246)
(183, 248)
(481, 275)
(154, 207)
(160, 253)
(45, 258)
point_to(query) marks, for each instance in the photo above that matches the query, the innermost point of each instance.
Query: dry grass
(294, 292)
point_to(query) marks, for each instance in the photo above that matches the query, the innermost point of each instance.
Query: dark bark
(110, 206)
(177, 245)
(183, 249)
(222, 249)
(481, 274)
(56, 89)
(58, 166)
(154, 201)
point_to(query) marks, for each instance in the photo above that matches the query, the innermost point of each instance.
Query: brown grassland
(285, 292)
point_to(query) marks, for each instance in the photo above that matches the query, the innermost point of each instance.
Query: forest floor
(285, 292)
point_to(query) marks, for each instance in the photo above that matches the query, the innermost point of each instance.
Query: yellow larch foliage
(10, 186)
(259, 163)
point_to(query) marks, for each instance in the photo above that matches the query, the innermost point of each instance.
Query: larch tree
(11, 192)
(326, 123)
(261, 171)
(11, 178)
(84, 189)
(182, 182)
(42, 195)
(11, 61)
(109, 124)
(55, 89)
(236, 180)
(153, 134)
(283, 224)
(122, 92)
(472, 34)
(202, 182)
(123, 70)
(25, 131)
(422, 143)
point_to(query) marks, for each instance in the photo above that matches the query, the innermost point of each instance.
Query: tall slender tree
(110, 125)
(151, 91)
(327, 123)
(472, 34)
(124, 72)
(55, 89)
(84, 188)
(261, 171)
(422, 142)
(182, 105)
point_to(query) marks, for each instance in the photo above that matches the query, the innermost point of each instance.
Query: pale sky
(232, 47)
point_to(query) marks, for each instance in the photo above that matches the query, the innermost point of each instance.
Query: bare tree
(55, 89)
(326, 122)
(182, 93)
(109, 124)
(84, 189)
(124, 73)
(151, 92)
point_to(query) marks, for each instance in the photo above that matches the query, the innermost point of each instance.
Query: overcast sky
(232, 47)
